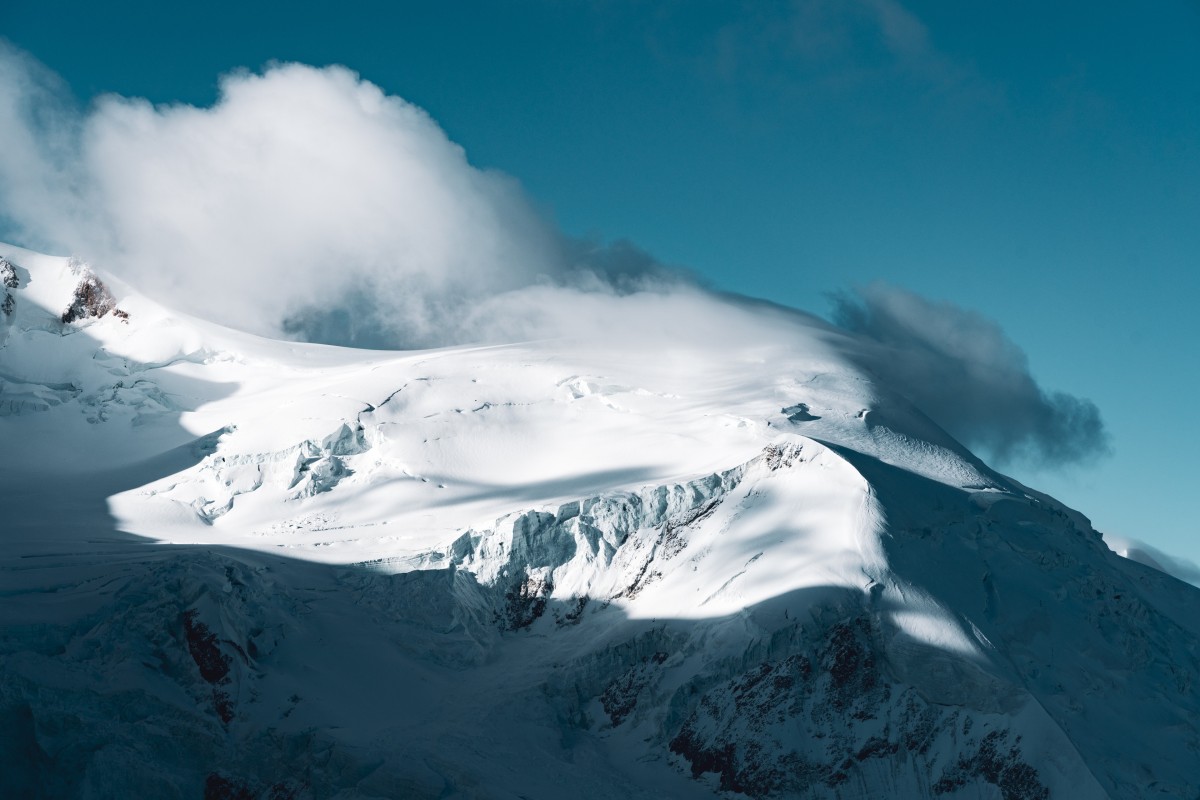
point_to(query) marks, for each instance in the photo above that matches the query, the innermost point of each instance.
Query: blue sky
(1038, 163)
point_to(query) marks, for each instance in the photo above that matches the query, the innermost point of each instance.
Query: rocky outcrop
(9, 281)
(91, 297)
(8, 274)
(535, 630)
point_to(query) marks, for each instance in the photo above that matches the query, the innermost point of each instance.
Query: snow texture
(693, 565)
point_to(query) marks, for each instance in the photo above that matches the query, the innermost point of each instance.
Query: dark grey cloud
(963, 371)
(362, 314)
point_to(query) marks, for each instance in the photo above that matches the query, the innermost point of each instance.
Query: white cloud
(307, 202)
(302, 193)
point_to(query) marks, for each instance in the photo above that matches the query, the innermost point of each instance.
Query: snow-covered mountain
(712, 557)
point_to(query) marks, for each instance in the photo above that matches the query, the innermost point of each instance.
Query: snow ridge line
(606, 547)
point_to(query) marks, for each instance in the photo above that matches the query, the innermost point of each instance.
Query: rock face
(9, 280)
(822, 693)
(8, 274)
(540, 571)
(91, 297)
(94, 381)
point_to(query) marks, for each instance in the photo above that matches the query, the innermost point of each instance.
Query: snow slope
(709, 557)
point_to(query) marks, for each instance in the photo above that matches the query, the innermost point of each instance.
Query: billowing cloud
(308, 203)
(964, 372)
(39, 134)
(305, 201)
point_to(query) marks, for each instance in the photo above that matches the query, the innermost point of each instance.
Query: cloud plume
(308, 203)
(964, 372)
(305, 201)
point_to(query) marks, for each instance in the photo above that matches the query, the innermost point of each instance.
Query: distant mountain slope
(718, 561)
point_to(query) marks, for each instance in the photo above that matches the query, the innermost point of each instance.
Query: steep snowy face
(709, 557)
(430, 442)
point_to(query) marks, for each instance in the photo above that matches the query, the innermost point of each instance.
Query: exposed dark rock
(644, 578)
(740, 767)
(574, 616)
(92, 299)
(205, 650)
(218, 787)
(815, 720)
(921, 726)
(715, 737)
(876, 747)
(9, 279)
(721, 760)
(8, 274)
(223, 705)
(999, 763)
(282, 791)
(621, 697)
(781, 456)
(672, 540)
(525, 602)
(849, 661)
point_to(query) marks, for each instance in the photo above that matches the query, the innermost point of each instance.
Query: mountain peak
(692, 565)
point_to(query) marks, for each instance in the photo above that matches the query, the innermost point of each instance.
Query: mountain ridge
(721, 561)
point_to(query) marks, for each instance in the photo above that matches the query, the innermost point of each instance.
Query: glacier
(712, 556)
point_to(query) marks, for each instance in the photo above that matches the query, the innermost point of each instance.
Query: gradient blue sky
(1039, 163)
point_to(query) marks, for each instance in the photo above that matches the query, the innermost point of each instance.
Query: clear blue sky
(1037, 162)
